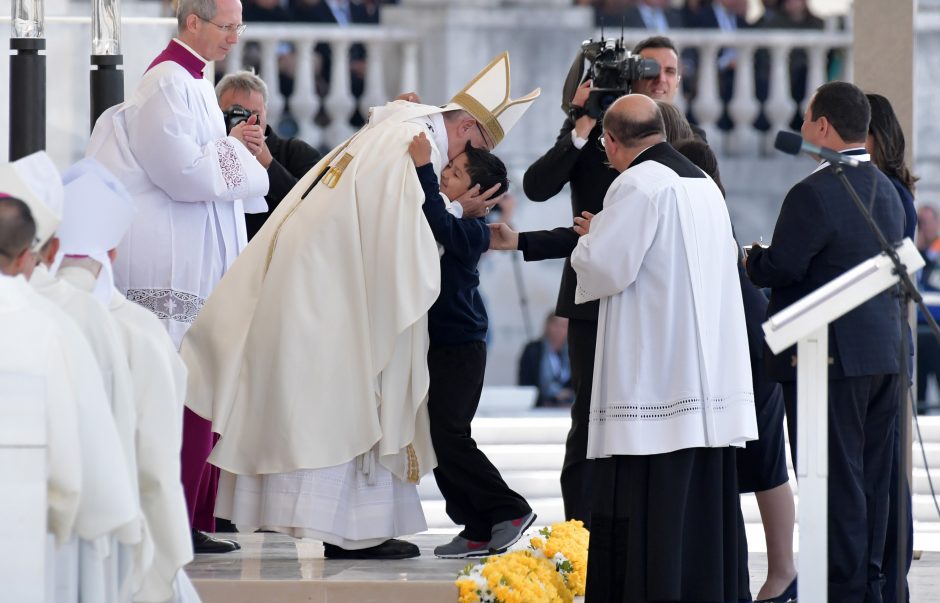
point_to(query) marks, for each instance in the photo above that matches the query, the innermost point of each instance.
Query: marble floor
(272, 568)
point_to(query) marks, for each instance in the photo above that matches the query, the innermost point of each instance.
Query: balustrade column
(816, 74)
(743, 106)
(305, 103)
(779, 107)
(269, 73)
(339, 102)
(409, 70)
(707, 105)
(375, 94)
(235, 59)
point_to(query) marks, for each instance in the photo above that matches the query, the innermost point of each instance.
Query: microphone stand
(908, 292)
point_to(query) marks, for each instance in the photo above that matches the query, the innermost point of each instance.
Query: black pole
(904, 454)
(27, 97)
(107, 83)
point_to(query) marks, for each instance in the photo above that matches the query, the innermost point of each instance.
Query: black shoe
(390, 549)
(203, 543)
(787, 596)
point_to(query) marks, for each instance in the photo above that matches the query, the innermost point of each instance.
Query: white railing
(392, 67)
(744, 107)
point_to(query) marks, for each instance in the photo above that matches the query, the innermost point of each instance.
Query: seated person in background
(544, 364)
(494, 517)
(286, 159)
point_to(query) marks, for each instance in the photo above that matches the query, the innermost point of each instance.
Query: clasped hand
(250, 134)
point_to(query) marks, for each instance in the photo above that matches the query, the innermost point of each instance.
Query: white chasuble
(34, 368)
(107, 525)
(167, 144)
(313, 349)
(671, 369)
(159, 388)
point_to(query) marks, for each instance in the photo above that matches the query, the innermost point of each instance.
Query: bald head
(17, 230)
(633, 123)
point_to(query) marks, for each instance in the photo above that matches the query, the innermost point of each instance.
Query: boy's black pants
(475, 494)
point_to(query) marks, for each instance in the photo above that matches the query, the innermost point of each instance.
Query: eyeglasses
(228, 29)
(603, 139)
(486, 143)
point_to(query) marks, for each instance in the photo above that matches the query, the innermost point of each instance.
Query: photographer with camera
(243, 98)
(577, 159)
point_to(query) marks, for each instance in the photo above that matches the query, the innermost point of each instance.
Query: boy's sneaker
(507, 533)
(460, 548)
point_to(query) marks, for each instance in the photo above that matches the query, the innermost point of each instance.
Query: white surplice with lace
(192, 185)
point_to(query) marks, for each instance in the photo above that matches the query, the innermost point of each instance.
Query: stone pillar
(460, 38)
(883, 56)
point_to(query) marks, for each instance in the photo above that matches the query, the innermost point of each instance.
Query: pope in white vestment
(310, 357)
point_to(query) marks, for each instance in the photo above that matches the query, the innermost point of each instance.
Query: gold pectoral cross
(331, 179)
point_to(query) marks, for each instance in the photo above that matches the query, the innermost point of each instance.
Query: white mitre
(35, 180)
(486, 98)
(98, 212)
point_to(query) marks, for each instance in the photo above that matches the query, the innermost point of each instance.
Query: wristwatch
(576, 112)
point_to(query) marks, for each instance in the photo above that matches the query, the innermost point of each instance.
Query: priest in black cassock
(672, 395)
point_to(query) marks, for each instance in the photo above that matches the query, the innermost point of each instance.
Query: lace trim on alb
(168, 304)
(635, 411)
(232, 171)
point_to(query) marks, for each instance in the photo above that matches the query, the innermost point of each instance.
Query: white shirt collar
(860, 157)
(194, 53)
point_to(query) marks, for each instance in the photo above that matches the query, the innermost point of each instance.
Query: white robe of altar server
(167, 144)
(671, 367)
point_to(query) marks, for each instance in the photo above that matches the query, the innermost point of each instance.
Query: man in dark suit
(578, 159)
(287, 160)
(819, 235)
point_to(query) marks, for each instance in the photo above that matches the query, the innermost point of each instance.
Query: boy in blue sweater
(493, 515)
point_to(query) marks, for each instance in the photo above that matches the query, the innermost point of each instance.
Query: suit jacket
(293, 158)
(587, 172)
(819, 235)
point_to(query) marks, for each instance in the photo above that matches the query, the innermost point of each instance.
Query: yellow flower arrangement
(551, 570)
(566, 544)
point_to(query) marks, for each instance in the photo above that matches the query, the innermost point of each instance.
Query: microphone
(793, 144)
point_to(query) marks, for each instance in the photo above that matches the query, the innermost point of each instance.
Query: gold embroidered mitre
(486, 98)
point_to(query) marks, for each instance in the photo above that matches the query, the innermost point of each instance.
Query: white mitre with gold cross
(486, 98)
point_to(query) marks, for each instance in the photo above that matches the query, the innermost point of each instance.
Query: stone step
(529, 450)
(551, 510)
(529, 484)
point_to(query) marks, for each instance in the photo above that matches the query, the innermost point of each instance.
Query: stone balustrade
(392, 66)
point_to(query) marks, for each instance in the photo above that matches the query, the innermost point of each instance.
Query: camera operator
(242, 95)
(578, 159)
